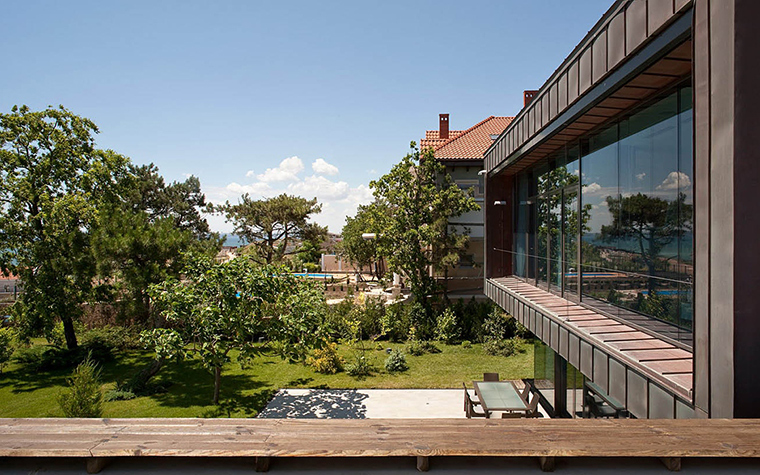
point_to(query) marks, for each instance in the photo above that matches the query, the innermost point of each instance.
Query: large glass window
(622, 199)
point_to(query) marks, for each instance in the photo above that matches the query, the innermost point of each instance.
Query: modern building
(461, 151)
(620, 220)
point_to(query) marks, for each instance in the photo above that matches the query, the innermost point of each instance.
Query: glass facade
(608, 220)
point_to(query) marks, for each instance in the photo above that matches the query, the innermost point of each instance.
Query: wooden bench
(99, 440)
(606, 406)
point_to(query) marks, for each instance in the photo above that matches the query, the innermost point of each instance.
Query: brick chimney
(528, 97)
(443, 126)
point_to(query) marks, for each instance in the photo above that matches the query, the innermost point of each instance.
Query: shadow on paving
(317, 403)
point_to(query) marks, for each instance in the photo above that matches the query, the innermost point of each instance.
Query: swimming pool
(309, 274)
(593, 274)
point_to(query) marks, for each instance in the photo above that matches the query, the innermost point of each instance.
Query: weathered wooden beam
(546, 464)
(423, 463)
(262, 464)
(96, 464)
(672, 463)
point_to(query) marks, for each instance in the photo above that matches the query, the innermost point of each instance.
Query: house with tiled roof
(461, 151)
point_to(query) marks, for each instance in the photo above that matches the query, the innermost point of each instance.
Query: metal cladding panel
(572, 82)
(587, 360)
(538, 323)
(546, 331)
(617, 380)
(599, 57)
(574, 350)
(637, 394)
(658, 12)
(563, 336)
(531, 117)
(684, 410)
(635, 25)
(661, 404)
(600, 369)
(584, 80)
(553, 91)
(679, 4)
(616, 40)
(538, 116)
(555, 337)
(561, 86)
(545, 109)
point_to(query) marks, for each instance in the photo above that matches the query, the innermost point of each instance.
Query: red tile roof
(467, 144)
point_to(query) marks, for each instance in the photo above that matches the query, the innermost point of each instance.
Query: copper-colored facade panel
(539, 116)
(530, 121)
(553, 110)
(584, 79)
(658, 13)
(616, 40)
(599, 57)
(652, 81)
(670, 67)
(545, 109)
(628, 92)
(561, 86)
(635, 25)
(682, 52)
(679, 4)
(572, 83)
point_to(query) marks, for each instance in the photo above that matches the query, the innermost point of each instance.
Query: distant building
(226, 254)
(461, 151)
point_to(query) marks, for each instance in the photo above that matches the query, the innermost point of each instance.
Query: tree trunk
(68, 331)
(140, 381)
(217, 383)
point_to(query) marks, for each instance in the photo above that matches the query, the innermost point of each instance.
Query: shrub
(326, 360)
(396, 362)
(118, 395)
(360, 367)
(467, 344)
(418, 348)
(396, 322)
(498, 326)
(6, 346)
(84, 397)
(502, 347)
(112, 337)
(446, 327)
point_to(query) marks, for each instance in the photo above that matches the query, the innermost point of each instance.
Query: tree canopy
(420, 198)
(271, 226)
(50, 178)
(223, 307)
(359, 251)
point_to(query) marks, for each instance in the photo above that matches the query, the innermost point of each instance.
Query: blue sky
(310, 98)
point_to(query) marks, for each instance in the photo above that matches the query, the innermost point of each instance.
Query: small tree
(364, 252)
(84, 398)
(224, 307)
(6, 346)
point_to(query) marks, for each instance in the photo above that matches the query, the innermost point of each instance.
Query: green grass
(245, 391)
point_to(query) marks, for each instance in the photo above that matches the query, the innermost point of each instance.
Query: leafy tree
(359, 251)
(223, 307)
(142, 231)
(419, 198)
(272, 225)
(652, 221)
(50, 178)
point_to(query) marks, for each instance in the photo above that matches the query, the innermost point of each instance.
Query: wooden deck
(673, 364)
(98, 440)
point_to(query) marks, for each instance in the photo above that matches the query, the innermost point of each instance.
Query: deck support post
(262, 464)
(546, 464)
(672, 463)
(423, 463)
(96, 464)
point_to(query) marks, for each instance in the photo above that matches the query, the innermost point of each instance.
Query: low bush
(84, 396)
(326, 360)
(118, 395)
(112, 337)
(467, 344)
(360, 367)
(396, 362)
(506, 347)
(418, 348)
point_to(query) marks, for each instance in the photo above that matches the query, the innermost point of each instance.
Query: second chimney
(443, 126)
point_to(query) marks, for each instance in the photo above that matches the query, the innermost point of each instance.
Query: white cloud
(287, 171)
(250, 174)
(673, 181)
(323, 168)
(255, 189)
(592, 188)
(320, 187)
(641, 176)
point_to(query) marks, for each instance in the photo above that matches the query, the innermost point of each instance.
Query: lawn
(245, 391)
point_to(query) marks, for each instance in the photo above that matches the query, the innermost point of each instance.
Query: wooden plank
(411, 437)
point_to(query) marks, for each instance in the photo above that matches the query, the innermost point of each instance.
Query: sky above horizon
(308, 98)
